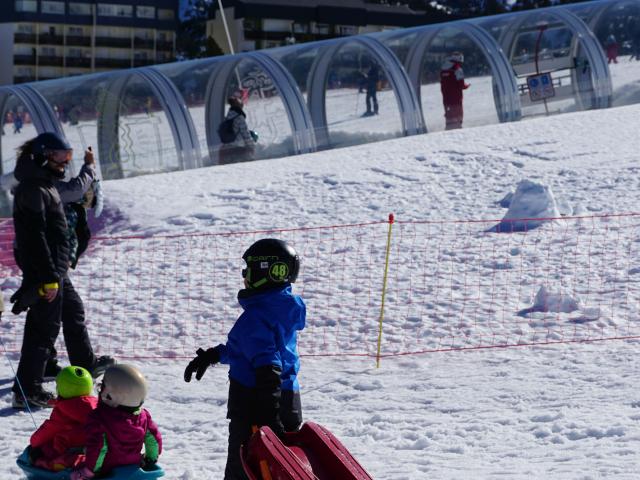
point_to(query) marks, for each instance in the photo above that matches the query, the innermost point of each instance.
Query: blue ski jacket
(266, 334)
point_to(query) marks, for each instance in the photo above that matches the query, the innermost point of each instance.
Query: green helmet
(74, 382)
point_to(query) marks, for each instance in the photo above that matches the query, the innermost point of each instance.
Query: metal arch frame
(506, 97)
(42, 115)
(304, 138)
(582, 37)
(600, 9)
(183, 130)
(585, 39)
(408, 103)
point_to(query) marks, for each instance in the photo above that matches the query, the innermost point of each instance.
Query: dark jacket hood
(27, 168)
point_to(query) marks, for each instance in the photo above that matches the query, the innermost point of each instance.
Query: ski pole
(26, 402)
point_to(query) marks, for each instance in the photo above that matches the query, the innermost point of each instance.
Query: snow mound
(546, 301)
(531, 200)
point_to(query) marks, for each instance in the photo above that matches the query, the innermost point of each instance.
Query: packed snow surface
(569, 411)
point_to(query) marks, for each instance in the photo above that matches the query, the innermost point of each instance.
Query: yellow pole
(384, 288)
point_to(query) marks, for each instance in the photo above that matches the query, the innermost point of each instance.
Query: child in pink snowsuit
(119, 427)
(59, 441)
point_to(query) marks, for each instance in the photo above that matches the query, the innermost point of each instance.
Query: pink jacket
(116, 437)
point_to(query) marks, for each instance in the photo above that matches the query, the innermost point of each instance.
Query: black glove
(34, 454)
(26, 296)
(147, 464)
(200, 364)
(266, 402)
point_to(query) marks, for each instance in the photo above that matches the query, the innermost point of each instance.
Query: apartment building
(45, 39)
(258, 24)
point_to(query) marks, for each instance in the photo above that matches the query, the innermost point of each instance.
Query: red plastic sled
(313, 453)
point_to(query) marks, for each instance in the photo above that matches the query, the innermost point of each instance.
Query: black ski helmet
(270, 262)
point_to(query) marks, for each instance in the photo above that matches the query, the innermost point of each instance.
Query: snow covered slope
(562, 412)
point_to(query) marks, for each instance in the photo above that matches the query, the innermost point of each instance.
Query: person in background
(42, 253)
(452, 85)
(261, 350)
(611, 45)
(17, 123)
(372, 78)
(239, 142)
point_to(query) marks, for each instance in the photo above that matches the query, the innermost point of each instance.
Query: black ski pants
(41, 329)
(240, 425)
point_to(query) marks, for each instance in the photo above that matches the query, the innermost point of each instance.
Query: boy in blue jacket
(261, 350)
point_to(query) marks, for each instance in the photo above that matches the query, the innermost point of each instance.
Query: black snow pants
(41, 330)
(240, 425)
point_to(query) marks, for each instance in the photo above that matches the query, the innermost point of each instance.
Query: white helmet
(123, 385)
(457, 57)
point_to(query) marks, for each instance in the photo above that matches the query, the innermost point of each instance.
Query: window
(146, 12)
(26, 6)
(56, 8)
(276, 25)
(111, 10)
(79, 8)
(322, 29)
(24, 28)
(301, 28)
(250, 24)
(166, 14)
(76, 31)
(47, 51)
(75, 52)
(347, 30)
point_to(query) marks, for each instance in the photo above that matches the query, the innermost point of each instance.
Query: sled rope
(26, 402)
(384, 288)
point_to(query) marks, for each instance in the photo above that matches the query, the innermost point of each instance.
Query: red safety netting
(451, 285)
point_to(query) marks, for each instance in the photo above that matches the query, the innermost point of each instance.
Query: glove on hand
(34, 454)
(24, 298)
(82, 474)
(147, 464)
(200, 364)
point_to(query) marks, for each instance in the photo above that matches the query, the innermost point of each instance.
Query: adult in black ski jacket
(43, 255)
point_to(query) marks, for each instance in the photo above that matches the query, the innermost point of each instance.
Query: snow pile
(530, 201)
(547, 301)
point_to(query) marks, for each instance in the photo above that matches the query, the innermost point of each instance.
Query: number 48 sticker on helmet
(279, 272)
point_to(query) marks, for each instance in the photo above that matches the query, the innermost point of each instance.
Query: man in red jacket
(452, 84)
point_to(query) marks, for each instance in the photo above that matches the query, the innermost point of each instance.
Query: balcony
(50, 61)
(24, 38)
(48, 39)
(143, 43)
(78, 62)
(23, 79)
(143, 62)
(113, 42)
(113, 63)
(164, 45)
(24, 59)
(78, 41)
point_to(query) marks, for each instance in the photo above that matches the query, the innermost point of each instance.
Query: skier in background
(261, 350)
(452, 84)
